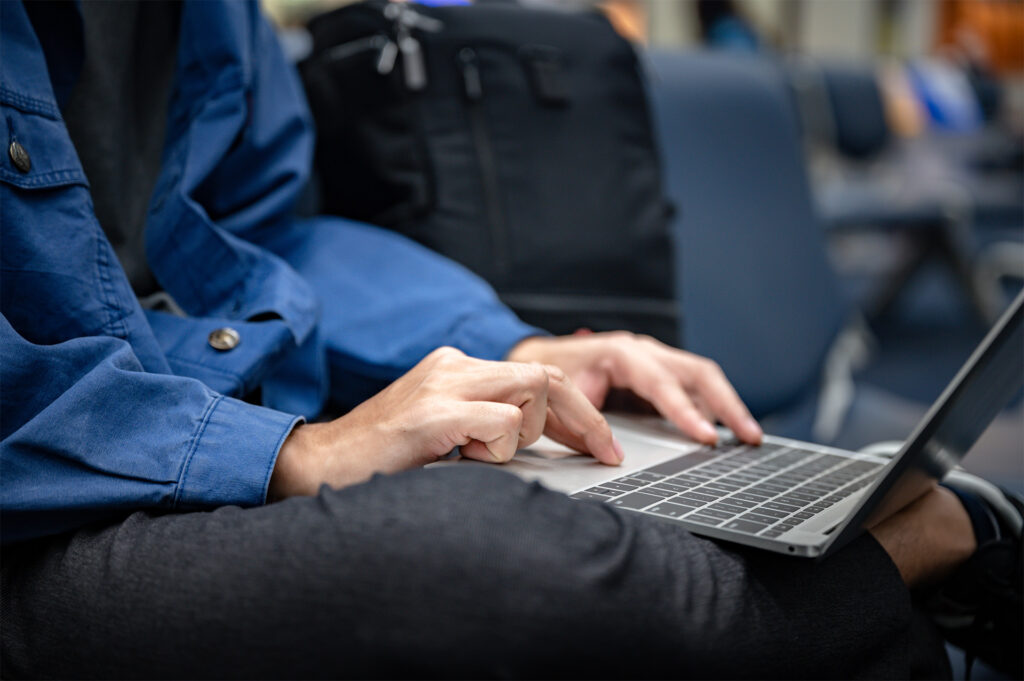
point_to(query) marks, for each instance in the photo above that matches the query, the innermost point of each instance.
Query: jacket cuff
(493, 334)
(232, 455)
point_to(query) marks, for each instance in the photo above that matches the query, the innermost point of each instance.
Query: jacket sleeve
(387, 302)
(87, 434)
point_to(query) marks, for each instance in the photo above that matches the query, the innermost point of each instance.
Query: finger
(708, 382)
(489, 430)
(703, 407)
(642, 374)
(523, 385)
(578, 418)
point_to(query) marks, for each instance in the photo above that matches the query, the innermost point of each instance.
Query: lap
(436, 572)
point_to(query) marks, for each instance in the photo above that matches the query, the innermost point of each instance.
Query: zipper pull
(413, 66)
(470, 74)
(386, 60)
(404, 15)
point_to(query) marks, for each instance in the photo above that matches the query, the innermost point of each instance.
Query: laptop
(787, 496)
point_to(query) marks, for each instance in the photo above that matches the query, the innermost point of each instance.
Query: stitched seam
(29, 104)
(37, 179)
(191, 362)
(115, 322)
(187, 464)
(277, 451)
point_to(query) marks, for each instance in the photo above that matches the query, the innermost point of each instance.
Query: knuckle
(710, 370)
(446, 354)
(644, 339)
(555, 373)
(513, 418)
(534, 376)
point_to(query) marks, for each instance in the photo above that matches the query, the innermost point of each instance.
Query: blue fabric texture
(107, 408)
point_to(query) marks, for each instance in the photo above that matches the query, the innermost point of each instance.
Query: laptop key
(744, 526)
(692, 503)
(676, 487)
(669, 510)
(590, 495)
(648, 476)
(687, 478)
(771, 533)
(788, 508)
(658, 492)
(619, 486)
(628, 480)
(771, 512)
(712, 513)
(728, 508)
(757, 518)
(750, 496)
(703, 519)
(724, 486)
(682, 463)
(604, 491)
(636, 500)
(697, 496)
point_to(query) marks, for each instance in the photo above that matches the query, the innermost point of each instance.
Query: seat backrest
(859, 121)
(758, 294)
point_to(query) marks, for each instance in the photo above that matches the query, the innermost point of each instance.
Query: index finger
(581, 418)
(709, 381)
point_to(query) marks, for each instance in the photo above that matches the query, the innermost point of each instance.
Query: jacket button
(224, 339)
(19, 157)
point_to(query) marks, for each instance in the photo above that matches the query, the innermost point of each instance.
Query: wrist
(290, 476)
(528, 350)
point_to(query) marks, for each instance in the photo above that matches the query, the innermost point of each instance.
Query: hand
(448, 400)
(690, 391)
(928, 539)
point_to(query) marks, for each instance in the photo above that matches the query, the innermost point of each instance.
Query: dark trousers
(452, 572)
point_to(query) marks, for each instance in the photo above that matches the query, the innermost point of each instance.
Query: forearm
(928, 539)
(87, 433)
(388, 302)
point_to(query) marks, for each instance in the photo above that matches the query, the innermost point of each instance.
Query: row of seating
(757, 289)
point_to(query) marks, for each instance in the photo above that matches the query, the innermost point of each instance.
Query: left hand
(690, 391)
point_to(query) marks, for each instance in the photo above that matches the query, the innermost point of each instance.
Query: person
(175, 502)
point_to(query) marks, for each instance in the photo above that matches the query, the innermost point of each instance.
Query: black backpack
(516, 141)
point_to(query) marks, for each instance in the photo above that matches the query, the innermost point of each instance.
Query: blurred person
(723, 26)
(167, 328)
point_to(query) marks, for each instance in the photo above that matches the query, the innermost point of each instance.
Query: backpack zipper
(473, 90)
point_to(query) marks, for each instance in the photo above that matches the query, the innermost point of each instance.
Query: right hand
(448, 400)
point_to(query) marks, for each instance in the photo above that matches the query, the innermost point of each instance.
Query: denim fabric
(105, 407)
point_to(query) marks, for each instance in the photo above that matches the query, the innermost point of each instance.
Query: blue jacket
(107, 408)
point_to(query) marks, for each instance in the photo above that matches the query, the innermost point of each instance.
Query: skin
(556, 387)
(491, 409)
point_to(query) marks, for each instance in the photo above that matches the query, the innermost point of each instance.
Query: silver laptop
(788, 496)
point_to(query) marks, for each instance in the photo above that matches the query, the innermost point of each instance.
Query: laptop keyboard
(763, 491)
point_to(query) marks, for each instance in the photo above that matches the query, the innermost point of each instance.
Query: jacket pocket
(37, 150)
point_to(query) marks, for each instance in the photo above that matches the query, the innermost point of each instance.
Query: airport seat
(926, 192)
(758, 294)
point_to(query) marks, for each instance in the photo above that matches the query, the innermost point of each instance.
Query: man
(154, 152)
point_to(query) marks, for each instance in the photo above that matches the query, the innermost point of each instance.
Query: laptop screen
(986, 383)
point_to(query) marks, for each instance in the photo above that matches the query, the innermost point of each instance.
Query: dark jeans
(452, 572)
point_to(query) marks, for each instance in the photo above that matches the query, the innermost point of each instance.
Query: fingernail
(617, 446)
(708, 432)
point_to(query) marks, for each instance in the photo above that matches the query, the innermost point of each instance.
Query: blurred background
(875, 168)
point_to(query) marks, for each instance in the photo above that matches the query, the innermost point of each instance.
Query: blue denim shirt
(107, 408)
